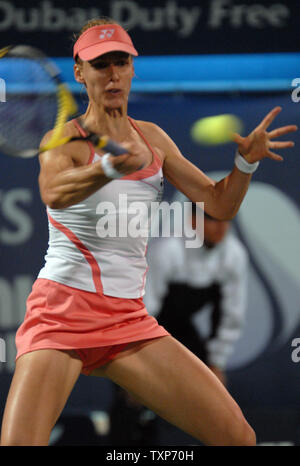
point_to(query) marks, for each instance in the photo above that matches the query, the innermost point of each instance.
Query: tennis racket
(37, 100)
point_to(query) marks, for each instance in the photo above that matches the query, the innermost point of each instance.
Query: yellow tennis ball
(216, 129)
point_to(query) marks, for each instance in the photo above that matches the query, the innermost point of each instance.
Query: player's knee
(250, 437)
(241, 433)
(21, 443)
(10, 441)
(21, 440)
(246, 436)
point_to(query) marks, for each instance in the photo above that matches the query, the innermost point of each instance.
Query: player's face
(108, 78)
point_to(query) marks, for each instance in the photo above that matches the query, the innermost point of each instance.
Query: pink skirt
(97, 326)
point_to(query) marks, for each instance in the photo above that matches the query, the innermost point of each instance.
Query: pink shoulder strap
(156, 157)
(83, 133)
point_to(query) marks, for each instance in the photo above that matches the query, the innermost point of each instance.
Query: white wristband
(243, 165)
(108, 169)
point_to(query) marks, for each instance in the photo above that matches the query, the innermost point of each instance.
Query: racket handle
(114, 148)
(104, 143)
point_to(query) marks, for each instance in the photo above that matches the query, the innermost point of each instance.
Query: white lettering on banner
(256, 16)
(10, 353)
(2, 350)
(13, 296)
(56, 19)
(27, 21)
(2, 90)
(296, 352)
(53, 18)
(296, 92)
(45, 17)
(172, 15)
(180, 19)
(6, 15)
(11, 211)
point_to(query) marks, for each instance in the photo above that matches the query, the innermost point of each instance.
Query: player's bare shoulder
(77, 151)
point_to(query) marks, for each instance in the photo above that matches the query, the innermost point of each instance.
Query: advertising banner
(174, 27)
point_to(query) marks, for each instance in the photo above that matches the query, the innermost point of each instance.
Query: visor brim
(96, 50)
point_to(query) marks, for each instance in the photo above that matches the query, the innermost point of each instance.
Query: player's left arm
(222, 199)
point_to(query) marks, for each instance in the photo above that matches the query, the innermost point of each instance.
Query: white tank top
(90, 248)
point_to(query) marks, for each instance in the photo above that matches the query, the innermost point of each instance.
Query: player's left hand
(259, 145)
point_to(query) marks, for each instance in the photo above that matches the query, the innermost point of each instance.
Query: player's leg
(41, 385)
(167, 378)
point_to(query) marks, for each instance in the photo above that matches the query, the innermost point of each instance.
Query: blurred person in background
(200, 296)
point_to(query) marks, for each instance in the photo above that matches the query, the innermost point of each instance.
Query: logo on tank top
(161, 190)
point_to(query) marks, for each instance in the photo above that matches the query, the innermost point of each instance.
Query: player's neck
(112, 122)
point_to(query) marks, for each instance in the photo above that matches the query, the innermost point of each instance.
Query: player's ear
(78, 73)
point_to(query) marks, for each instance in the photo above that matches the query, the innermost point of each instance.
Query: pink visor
(105, 38)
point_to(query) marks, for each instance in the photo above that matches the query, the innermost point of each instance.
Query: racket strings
(36, 101)
(31, 104)
(66, 106)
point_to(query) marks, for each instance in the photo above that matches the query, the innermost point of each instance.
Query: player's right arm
(65, 176)
(64, 179)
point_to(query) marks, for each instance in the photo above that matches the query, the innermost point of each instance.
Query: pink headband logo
(106, 33)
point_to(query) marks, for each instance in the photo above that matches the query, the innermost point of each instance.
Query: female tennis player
(85, 313)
